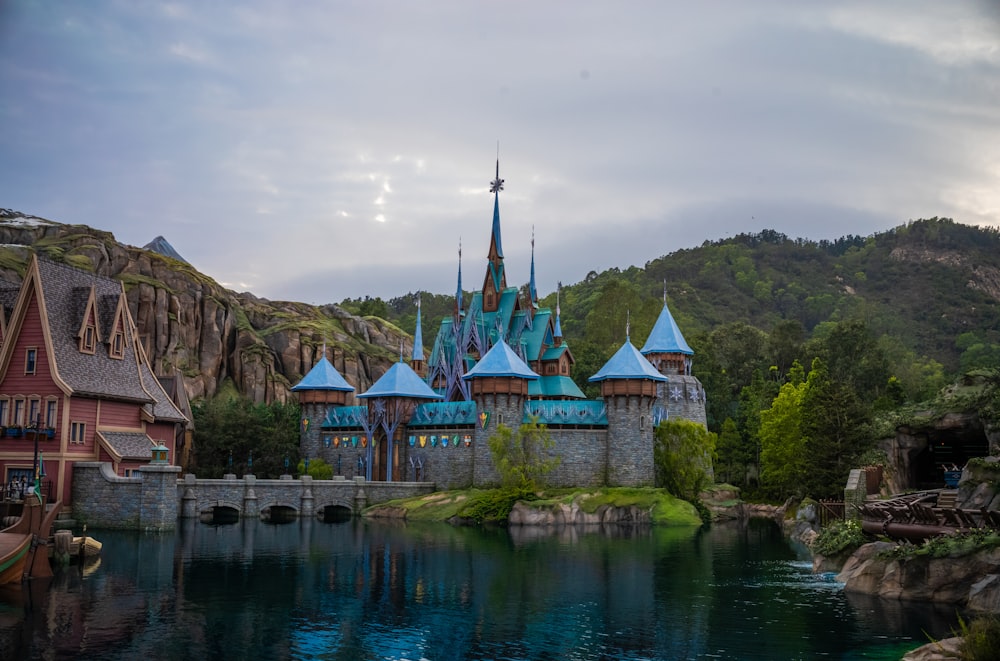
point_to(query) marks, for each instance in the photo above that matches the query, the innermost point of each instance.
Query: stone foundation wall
(102, 499)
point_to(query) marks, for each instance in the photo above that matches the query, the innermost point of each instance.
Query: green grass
(492, 505)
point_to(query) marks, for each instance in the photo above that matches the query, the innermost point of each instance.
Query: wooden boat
(26, 543)
(88, 547)
(14, 548)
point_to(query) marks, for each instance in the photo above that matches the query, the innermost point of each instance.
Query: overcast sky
(314, 151)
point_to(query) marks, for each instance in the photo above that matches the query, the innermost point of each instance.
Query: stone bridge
(287, 497)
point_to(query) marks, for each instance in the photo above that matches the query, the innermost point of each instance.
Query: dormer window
(88, 334)
(89, 340)
(30, 360)
(117, 348)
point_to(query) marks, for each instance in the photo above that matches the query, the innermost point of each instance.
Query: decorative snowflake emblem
(675, 394)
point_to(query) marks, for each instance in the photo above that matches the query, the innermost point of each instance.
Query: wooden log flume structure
(922, 515)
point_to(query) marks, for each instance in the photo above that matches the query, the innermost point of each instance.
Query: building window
(499, 418)
(34, 409)
(17, 419)
(118, 345)
(642, 422)
(50, 413)
(4, 410)
(30, 360)
(89, 339)
(77, 431)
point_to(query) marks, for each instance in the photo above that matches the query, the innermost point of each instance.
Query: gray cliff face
(189, 324)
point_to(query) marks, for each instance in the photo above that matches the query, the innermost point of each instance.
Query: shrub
(981, 639)
(523, 458)
(839, 537)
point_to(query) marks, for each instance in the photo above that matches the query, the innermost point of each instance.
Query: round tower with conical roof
(499, 386)
(320, 389)
(681, 395)
(628, 386)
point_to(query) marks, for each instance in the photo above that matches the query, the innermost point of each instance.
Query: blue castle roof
(323, 376)
(628, 363)
(501, 361)
(666, 337)
(400, 381)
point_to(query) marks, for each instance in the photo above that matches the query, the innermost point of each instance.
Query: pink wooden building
(73, 374)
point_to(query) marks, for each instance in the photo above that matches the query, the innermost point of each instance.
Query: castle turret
(682, 396)
(499, 385)
(628, 386)
(323, 387)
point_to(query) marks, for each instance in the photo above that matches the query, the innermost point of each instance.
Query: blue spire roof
(628, 363)
(532, 291)
(323, 376)
(400, 381)
(666, 337)
(418, 337)
(458, 292)
(496, 223)
(501, 361)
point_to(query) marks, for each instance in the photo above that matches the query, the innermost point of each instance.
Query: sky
(315, 151)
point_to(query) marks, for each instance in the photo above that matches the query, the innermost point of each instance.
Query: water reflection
(375, 590)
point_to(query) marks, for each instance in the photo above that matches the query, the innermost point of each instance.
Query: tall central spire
(496, 279)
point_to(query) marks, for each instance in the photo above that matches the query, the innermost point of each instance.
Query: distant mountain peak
(162, 246)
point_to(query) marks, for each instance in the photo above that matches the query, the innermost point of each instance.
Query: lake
(371, 590)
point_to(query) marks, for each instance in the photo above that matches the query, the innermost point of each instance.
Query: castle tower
(628, 386)
(682, 396)
(320, 389)
(499, 385)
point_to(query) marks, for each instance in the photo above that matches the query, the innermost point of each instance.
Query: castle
(501, 361)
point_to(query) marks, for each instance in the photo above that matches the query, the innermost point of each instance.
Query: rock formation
(190, 325)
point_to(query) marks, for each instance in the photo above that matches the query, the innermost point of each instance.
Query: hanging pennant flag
(484, 419)
(305, 425)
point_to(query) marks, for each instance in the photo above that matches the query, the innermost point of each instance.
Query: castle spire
(496, 279)
(557, 331)
(458, 291)
(532, 291)
(417, 360)
(418, 338)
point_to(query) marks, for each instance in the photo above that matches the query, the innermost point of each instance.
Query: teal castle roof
(503, 362)
(628, 363)
(323, 376)
(666, 337)
(400, 381)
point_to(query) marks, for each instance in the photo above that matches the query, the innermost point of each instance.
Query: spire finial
(558, 293)
(664, 292)
(401, 351)
(497, 184)
(628, 324)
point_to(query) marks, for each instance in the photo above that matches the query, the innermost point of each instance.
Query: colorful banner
(484, 419)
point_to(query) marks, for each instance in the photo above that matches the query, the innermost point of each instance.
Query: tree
(682, 456)
(782, 445)
(258, 437)
(523, 458)
(835, 429)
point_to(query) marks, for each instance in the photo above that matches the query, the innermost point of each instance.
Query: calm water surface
(369, 590)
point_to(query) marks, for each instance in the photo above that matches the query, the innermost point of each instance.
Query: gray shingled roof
(129, 444)
(66, 290)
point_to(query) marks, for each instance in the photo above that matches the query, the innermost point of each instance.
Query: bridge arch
(220, 511)
(279, 511)
(335, 511)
